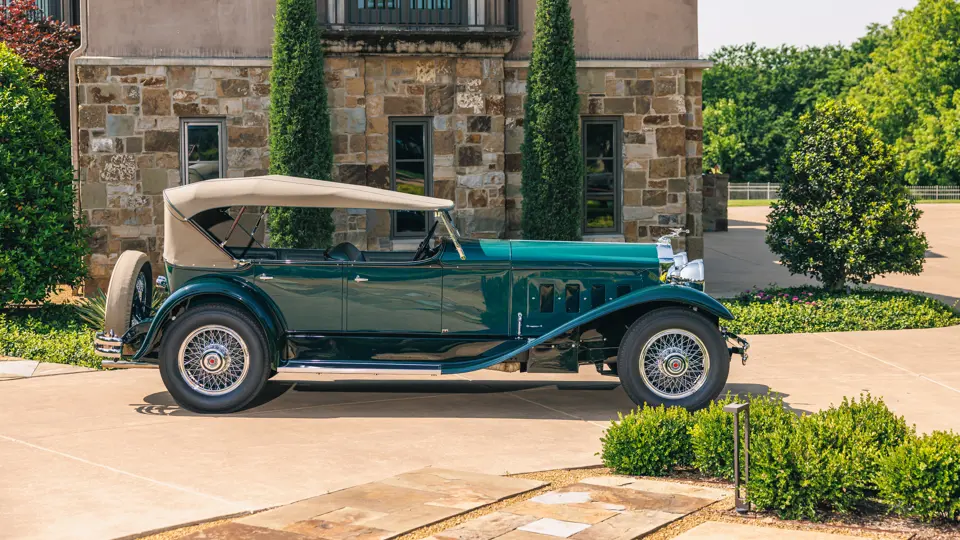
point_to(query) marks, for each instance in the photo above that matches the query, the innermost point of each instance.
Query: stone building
(426, 96)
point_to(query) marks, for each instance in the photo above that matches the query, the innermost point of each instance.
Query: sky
(794, 22)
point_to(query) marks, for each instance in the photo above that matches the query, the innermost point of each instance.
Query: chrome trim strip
(123, 364)
(369, 371)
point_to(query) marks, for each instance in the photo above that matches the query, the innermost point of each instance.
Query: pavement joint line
(891, 364)
(541, 405)
(168, 485)
(733, 256)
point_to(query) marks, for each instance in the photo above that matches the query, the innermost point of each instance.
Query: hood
(584, 254)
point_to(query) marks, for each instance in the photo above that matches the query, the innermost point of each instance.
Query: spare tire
(130, 294)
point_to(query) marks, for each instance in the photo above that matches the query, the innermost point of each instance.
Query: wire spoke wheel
(674, 364)
(214, 360)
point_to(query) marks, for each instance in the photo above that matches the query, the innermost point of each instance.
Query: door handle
(359, 279)
(264, 277)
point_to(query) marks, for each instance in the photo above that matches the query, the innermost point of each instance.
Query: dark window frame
(427, 123)
(185, 124)
(617, 123)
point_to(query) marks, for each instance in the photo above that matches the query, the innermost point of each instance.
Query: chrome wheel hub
(214, 360)
(674, 364)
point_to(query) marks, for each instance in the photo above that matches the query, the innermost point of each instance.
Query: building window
(411, 171)
(602, 153)
(203, 149)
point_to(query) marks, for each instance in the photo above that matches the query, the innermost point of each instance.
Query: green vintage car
(240, 312)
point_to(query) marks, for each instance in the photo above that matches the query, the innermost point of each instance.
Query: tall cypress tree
(553, 167)
(300, 139)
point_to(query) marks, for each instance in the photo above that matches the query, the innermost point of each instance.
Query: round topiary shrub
(651, 441)
(921, 478)
(42, 243)
(844, 215)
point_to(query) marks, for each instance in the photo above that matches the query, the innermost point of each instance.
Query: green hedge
(836, 460)
(811, 309)
(52, 333)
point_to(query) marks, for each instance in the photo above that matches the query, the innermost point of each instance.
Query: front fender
(670, 294)
(230, 288)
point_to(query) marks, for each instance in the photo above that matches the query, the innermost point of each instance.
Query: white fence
(765, 191)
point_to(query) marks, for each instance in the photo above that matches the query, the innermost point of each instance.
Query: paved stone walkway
(715, 530)
(18, 368)
(601, 508)
(378, 510)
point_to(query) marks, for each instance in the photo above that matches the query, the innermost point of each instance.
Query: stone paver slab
(237, 531)
(635, 499)
(463, 484)
(716, 530)
(279, 518)
(486, 527)
(609, 481)
(413, 518)
(380, 497)
(577, 512)
(18, 368)
(46, 368)
(329, 530)
(524, 535)
(554, 527)
(628, 525)
(676, 488)
(352, 516)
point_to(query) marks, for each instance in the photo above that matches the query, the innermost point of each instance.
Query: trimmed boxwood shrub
(50, 333)
(825, 461)
(711, 433)
(651, 441)
(921, 478)
(774, 310)
(42, 243)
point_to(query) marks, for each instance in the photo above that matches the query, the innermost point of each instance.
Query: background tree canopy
(905, 75)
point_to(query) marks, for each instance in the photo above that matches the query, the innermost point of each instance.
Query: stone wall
(662, 146)
(129, 120)
(715, 195)
(463, 97)
(129, 141)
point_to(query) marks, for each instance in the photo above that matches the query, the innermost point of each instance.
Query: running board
(357, 368)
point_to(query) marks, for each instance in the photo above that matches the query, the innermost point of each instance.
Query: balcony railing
(496, 16)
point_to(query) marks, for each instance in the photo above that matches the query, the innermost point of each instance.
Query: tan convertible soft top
(184, 245)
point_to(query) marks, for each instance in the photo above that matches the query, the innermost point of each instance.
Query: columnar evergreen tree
(553, 167)
(300, 140)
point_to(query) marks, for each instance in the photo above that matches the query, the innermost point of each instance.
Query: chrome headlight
(693, 271)
(680, 259)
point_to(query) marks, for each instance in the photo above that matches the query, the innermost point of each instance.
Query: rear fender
(225, 289)
(653, 297)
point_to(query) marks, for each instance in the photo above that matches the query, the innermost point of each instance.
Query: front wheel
(213, 359)
(673, 356)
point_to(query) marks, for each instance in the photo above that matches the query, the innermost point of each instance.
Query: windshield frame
(452, 231)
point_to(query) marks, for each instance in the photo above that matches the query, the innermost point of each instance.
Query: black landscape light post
(742, 505)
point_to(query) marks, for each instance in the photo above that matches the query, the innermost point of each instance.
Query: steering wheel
(425, 245)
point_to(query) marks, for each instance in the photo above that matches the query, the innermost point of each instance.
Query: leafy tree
(42, 244)
(553, 167)
(753, 97)
(44, 44)
(910, 86)
(300, 139)
(844, 215)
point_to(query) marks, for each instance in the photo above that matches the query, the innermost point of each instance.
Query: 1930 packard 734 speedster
(239, 313)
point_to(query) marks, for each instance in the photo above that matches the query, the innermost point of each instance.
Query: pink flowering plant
(777, 310)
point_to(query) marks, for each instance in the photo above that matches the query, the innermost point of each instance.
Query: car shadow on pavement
(584, 400)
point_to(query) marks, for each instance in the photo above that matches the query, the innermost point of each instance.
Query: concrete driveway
(739, 259)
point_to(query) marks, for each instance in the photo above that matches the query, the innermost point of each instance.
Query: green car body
(462, 306)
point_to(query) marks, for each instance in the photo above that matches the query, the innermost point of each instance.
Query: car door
(308, 294)
(398, 298)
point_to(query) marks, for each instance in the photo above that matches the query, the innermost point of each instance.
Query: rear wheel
(213, 359)
(673, 356)
(130, 293)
